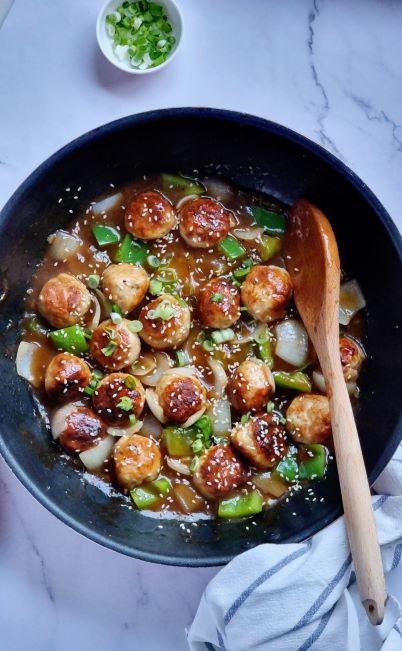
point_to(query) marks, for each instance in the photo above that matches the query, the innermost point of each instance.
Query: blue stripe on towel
(398, 630)
(381, 500)
(397, 556)
(262, 578)
(318, 631)
(209, 646)
(309, 615)
(220, 640)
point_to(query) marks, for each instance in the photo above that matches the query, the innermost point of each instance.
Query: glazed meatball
(266, 292)
(262, 440)
(219, 304)
(118, 396)
(219, 472)
(352, 358)
(63, 301)
(137, 459)
(150, 216)
(114, 346)
(204, 222)
(125, 285)
(77, 428)
(165, 322)
(308, 418)
(250, 386)
(66, 377)
(180, 396)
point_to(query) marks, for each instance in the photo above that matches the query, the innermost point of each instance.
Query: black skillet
(253, 153)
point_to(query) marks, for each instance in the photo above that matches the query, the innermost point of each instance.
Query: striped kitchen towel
(303, 597)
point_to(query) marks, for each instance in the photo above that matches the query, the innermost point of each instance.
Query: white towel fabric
(303, 596)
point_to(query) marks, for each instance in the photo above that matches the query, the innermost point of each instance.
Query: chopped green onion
(244, 269)
(197, 446)
(93, 281)
(130, 382)
(270, 406)
(216, 297)
(204, 424)
(273, 222)
(208, 345)
(131, 251)
(155, 287)
(116, 318)
(164, 311)
(194, 464)
(295, 380)
(132, 419)
(109, 349)
(135, 326)
(105, 235)
(71, 339)
(263, 341)
(182, 358)
(95, 377)
(222, 336)
(153, 261)
(245, 418)
(231, 248)
(188, 186)
(240, 506)
(125, 403)
(268, 247)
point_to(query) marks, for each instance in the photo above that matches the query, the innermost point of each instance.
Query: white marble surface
(331, 70)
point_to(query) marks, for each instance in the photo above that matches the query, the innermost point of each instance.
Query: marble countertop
(330, 70)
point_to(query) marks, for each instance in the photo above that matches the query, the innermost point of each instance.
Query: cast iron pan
(252, 153)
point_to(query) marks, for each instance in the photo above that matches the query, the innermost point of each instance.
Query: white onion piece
(58, 422)
(96, 316)
(220, 376)
(193, 419)
(153, 404)
(221, 417)
(95, 457)
(151, 427)
(162, 365)
(23, 361)
(185, 371)
(351, 300)
(291, 342)
(104, 304)
(107, 204)
(144, 365)
(248, 234)
(184, 200)
(178, 465)
(218, 189)
(269, 485)
(319, 382)
(63, 245)
(125, 431)
(247, 337)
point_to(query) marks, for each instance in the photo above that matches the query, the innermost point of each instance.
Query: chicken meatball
(165, 322)
(204, 222)
(219, 472)
(66, 377)
(117, 397)
(352, 358)
(180, 396)
(150, 216)
(114, 346)
(250, 386)
(63, 301)
(261, 440)
(77, 428)
(137, 459)
(125, 285)
(308, 418)
(219, 304)
(266, 292)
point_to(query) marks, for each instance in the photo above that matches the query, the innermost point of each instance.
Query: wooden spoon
(312, 259)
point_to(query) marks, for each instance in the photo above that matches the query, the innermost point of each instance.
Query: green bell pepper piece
(287, 469)
(231, 248)
(105, 235)
(131, 251)
(178, 441)
(295, 380)
(71, 339)
(188, 186)
(313, 461)
(144, 497)
(240, 506)
(162, 486)
(263, 341)
(269, 247)
(273, 222)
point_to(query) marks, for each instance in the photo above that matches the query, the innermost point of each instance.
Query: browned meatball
(137, 459)
(118, 396)
(63, 301)
(66, 377)
(308, 418)
(219, 304)
(180, 396)
(266, 292)
(125, 285)
(262, 440)
(203, 222)
(83, 430)
(170, 328)
(114, 346)
(150, 216)
(352, 357)
(219, 472)
(250, 386)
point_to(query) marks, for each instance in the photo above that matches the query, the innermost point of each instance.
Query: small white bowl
(105, 42)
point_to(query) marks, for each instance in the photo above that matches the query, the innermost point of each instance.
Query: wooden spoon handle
(359, 516)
